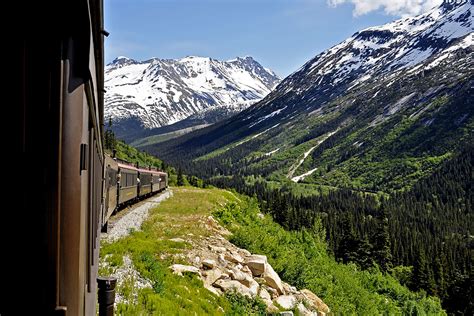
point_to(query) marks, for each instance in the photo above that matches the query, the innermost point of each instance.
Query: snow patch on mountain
(160, 92)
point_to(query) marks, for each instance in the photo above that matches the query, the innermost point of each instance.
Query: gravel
(134, 219)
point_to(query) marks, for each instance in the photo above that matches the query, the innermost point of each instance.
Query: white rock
(303, 311)
(264, 295)
(256, 263)
(286, 301)
(272, 279)
(314, 301)
(180, 268)
(177, 240)
(287, 313)
(212, 276)
(234, 257)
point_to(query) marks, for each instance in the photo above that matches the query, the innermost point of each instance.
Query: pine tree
(180, 180)
(382, 246)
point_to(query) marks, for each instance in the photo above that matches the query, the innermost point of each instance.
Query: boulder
(209, 264)
(180, 268)
(232, 285)
(265, 296)
(303, 311)
(272, 279)
(314, 301)
(286, 301)
(234, 257)
(252, 285)
(212, 276)
(256, 264)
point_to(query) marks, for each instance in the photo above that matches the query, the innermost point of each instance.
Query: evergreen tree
(382, 245)
(180, 180)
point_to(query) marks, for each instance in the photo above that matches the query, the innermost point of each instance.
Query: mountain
(389, 112)
(159, 92)
(377, 112)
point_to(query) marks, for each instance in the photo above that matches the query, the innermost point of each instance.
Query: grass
(152, 252)
(300, 258)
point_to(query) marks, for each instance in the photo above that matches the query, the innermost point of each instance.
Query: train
(127, 183)
(61, 185)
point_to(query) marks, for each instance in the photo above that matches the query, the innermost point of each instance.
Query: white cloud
(392, 7)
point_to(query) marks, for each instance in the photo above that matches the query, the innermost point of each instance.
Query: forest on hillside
(421, 236)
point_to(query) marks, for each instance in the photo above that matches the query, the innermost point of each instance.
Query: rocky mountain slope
(159, 92)
(378, 111)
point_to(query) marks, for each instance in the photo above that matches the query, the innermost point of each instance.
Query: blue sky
(280, 34)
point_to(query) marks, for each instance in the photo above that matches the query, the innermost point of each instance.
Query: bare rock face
(272, 279)
(286, 301)
(257, 263)
(315, 301)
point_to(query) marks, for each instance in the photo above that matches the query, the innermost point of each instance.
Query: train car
(111, 189)
(157, 176)
(128, 184)
(164, 180)
(55, 66)
(144, 187)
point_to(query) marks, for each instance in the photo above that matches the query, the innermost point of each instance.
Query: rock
(222, 262)
(237, 275)
(197, 260)
(234, 257)
(256, 263)
(286, 301)
(303, 311)
(217, 249)
(272, 291)
(180, 268)
(246, 269)
(264, 295)
(214, 290)
(212, 276)
(314, 301)
(224, 276)
(260, 215)
(252, 285)
(177, 240)
(232, 285)
(272, 279)
(288, 313)
(245, 252)
(208, 263)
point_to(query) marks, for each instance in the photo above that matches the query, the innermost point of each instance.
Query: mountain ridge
(159, 92)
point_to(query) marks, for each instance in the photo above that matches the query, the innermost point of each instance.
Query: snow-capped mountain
(376, 53)
(159, 92)
(404, 89)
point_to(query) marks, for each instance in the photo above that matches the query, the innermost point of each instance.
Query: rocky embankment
(223, 267)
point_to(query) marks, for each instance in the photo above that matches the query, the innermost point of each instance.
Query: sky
(280, 34)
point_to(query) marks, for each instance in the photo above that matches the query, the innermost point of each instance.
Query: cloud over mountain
(392, 7)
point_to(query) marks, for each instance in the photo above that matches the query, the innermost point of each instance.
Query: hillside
(362, 123)
(182, 233)
(373, 137)
(144, 95)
